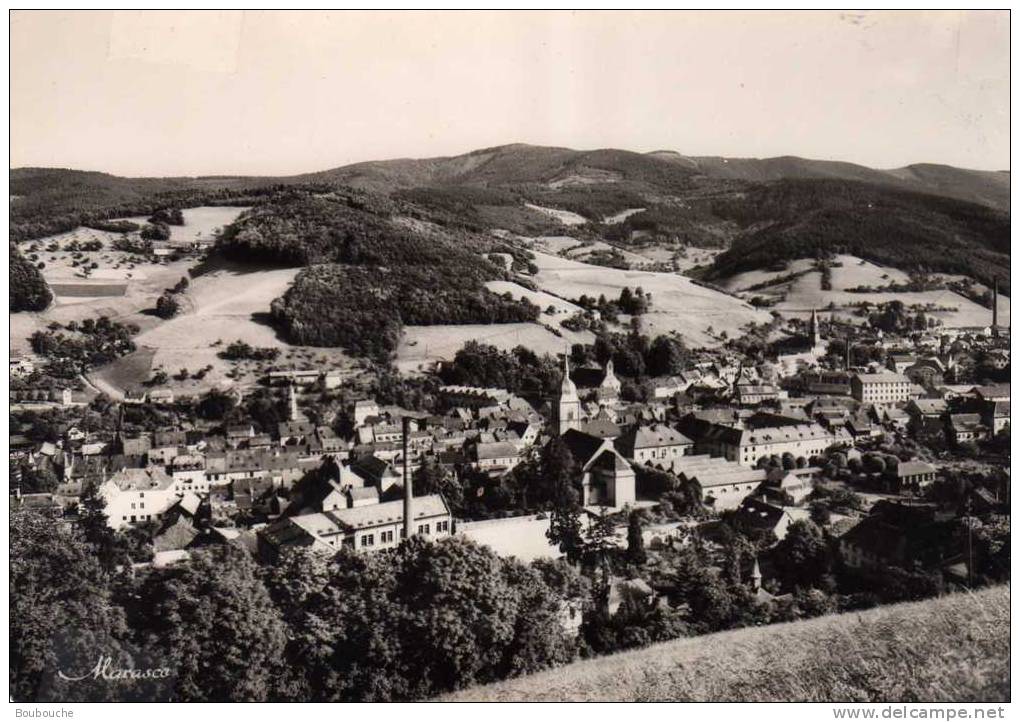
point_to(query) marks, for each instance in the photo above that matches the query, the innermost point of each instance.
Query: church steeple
(567, 408)
(756, 576)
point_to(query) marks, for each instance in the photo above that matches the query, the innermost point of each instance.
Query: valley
(579, 223)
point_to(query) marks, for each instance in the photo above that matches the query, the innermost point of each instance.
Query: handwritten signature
(105, 669)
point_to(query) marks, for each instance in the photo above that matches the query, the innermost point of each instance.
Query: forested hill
(371, 268)
(913, 231)
(990, 188)
(922, 217)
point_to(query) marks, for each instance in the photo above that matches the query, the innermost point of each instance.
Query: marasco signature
(104, 669)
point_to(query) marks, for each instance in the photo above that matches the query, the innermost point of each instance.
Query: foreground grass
(951, 649)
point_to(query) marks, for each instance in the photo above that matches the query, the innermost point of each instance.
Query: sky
(154, 93)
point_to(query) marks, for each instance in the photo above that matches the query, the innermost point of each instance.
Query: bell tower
(567, 408)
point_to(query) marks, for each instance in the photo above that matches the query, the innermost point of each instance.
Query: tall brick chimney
(408, 491)
(995, 307)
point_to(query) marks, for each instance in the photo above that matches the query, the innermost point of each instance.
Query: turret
(756, 576)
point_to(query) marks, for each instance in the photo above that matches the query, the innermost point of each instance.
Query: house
(606, 477)
(898, 363)
(747, 446)
(927, 372)
(137, 495)
(754, 394)
(495, 457)
(790, 488)
(723, 483)
(996, 415)
(188, 473)
(915, 474)
(294, 432)
(364, 528)
(239, 433)
(965, 428)
(881, 388)
(654, 445)
(363, 410)
(999, 392)
(831, 383)
(757, 515)
(161, 396)
(20, 365)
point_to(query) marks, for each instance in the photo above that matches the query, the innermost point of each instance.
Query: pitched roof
(152, 477)
(495, 450)
(759, 514)
(582, 446)
(882, 377)
(910, 468)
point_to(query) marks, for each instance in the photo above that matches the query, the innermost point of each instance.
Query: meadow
(951, 649)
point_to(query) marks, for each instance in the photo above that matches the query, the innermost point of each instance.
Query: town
(629, 356)
(885, 460)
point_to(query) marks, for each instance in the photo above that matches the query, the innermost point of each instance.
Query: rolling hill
(951, 649)
(989, 188)
(765, 210)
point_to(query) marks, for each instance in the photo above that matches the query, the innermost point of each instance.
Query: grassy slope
(951, 649)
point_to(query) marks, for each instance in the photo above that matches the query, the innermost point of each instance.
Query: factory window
(387, 536)
(423, 529)
(368, 540)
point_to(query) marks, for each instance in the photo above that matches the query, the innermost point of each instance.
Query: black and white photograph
(503, 356)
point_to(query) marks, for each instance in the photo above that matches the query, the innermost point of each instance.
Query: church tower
(567, 408)
(609, 389)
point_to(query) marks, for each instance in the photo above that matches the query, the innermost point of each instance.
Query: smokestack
(847, 353)
(408, 491)
(995, 307)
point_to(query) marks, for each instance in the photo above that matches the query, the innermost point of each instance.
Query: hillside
(989, 188)
(953, 649)
(792, 219)
(371, 268)
(768, 210)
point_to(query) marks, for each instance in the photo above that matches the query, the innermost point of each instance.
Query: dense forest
(372, 269)
(28, 291)
(804, 219)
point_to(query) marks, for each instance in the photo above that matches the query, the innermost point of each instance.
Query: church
(600, 393)
(606, 476)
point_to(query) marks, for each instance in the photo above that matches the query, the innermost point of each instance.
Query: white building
(137, 495)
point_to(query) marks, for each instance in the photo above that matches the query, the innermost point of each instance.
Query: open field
(805, 292)
(567, 218)
(77, 297)
(678, 304)
(692, 257)
(952, 649)
(229, 303)
(421, 346)
(551, 244)
(564, 309)
(621, 216)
